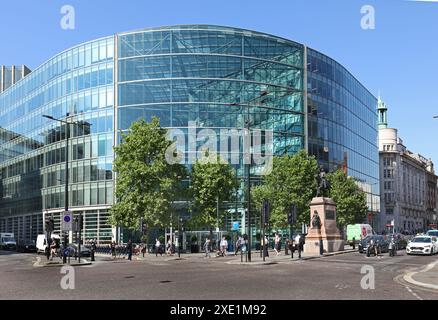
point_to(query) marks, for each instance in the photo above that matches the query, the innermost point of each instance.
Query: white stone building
(408, 184)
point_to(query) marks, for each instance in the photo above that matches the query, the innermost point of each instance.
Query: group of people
(170, 247)
(223, 247)
(295, 244)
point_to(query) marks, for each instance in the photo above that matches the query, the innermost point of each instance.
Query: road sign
(67, 221)
(236, 225)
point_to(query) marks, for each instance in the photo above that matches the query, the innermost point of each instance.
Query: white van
(41, 242)
(358, 232)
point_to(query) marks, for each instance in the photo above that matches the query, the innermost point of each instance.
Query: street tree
(292, 181)
(212, 182)
(146, 182)
(350, 200)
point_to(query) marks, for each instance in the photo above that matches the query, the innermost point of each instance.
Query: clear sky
(399, 58)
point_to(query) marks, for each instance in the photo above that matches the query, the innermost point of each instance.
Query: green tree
(350, 200)
(292, 180)
(212, 182)
(146, 182)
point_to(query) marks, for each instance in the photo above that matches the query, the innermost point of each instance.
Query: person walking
(224, 246)
(286, 246)
(158, 247)
(238, 245)
(169, 247)
(113, 249)
(129, 249)
(265, 246)
(277, 244)
(298, 244)
(207, 247)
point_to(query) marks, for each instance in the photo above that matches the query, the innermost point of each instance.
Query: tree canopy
(292, 181)
(146, 182)
(212, 182)
(350, 201)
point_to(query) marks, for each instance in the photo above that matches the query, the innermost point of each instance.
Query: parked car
(432, 233)
(422, 245)
(27, 246)
(379, 240)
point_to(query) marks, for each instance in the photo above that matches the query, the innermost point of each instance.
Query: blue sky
(399, 58)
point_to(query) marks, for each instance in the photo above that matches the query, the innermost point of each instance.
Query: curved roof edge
(193, 27)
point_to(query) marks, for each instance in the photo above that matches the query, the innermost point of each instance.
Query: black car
(381, 242)
(27, 246)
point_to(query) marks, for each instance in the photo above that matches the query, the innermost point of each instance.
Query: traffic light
(80, 222)
(143, 227)
(50, 224)
(292, 214)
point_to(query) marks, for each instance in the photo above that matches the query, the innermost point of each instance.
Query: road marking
(408, 277)
(38, 260)
(413, 293)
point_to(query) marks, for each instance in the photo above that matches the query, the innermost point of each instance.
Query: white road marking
(413, 293)
(408, 277)
(37, 263)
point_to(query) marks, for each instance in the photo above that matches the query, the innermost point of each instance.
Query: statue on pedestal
(322, 182)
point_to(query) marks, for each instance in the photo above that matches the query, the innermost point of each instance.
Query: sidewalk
(426, 277)
(230, 258)
(282, 258)
(40, 262)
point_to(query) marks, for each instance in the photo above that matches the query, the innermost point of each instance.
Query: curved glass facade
(75, 86)
(210, 76)
(342, 129)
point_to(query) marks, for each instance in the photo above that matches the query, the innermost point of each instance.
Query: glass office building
(210, 76)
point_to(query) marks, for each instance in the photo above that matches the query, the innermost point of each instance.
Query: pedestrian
(53, 247)
(238, 245)
(158, 247)
(207, 247)
(93, 249)
(169, 247)
(129, 249)
(265, 246)
(298, 244)
(286, 246)
(277, 244)
(113, 249)
(224, 245)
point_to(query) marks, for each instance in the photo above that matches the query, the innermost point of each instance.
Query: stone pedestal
(327, 234)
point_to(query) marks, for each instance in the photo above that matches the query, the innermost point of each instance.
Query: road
(159, 278)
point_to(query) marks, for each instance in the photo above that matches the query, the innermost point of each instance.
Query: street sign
(236, 225)
(67, 221)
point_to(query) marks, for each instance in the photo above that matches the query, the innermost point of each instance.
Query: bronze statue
(316, 221)
(322, 183)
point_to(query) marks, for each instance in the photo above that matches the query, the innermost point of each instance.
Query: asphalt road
(158, 278)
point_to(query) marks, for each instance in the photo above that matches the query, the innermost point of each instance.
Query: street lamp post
(248, 166)
(66, 198)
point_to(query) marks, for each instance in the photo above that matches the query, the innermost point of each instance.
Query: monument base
(313, 245)
(324, 231)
